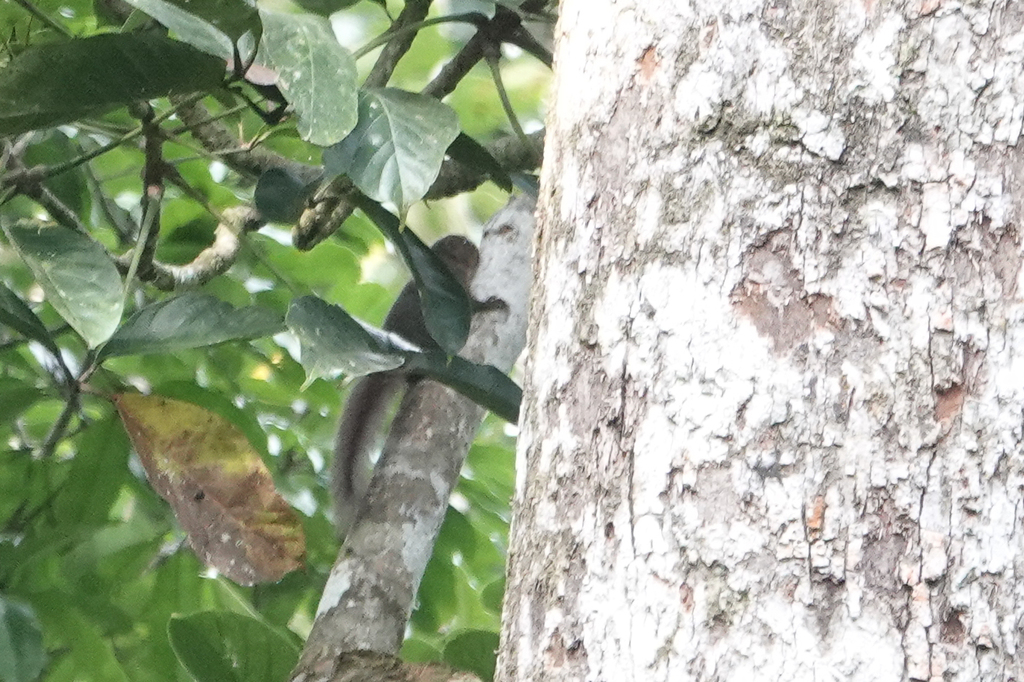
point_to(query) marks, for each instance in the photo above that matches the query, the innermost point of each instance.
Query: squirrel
(365, 410)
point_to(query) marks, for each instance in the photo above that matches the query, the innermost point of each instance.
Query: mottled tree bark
(772, 427)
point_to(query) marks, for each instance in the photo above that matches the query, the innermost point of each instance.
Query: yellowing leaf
(220, 489)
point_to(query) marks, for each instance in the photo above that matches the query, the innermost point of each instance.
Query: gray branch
(372, 587)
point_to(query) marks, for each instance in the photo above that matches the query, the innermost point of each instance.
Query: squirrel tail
(361, 425)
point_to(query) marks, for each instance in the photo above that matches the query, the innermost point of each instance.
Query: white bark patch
(338, 583)
(935, 215)
(779, 377)
(820, 133)
(873, 63)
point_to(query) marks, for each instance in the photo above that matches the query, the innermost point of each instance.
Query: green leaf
(220, 404)
(189, 321)
(16, 396)
(415, 650)
(100, 549)
(475, 651)
(79, 278)
(280, 195)
(98, 471)
(316, 74)
(87, 653)
(71, 187)
(395, 151)
(483, 384)
(220, 646)
(474, 155)
(437, 596)
(324, 7)
(211, 26)
(332, 341)
(493, 594)
(493, 468)
(526, 183)
(19, 317)
(456, 536)
(38, 90)
(447, 309)
(21, 642)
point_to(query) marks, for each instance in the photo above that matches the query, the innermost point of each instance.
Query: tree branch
(525, 41)
(215, 137)
(491, 33)
(371, 589)
(334, 204)
(211, 261)
(513, 153)
(413, 13)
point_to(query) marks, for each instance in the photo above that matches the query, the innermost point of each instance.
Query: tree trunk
(772, 427)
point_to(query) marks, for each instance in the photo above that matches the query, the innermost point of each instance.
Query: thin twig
(150, 217)
(56, 208)
(216, 138)
(466, 17)
(45, 18)
(212, 261)
(37, 174)
(15, 343)
(71, 405)
(493, 63)
(414, 12)
(152, 191)
(488, 34)
(116, 217)
(524, 40)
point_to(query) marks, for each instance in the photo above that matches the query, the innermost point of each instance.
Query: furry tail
(361, 426)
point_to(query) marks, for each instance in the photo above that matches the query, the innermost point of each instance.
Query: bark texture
(772, 427)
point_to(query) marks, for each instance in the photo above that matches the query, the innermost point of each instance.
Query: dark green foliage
(220, 646)
(189, 321)
(21, 642)
(468, 151)
(395, 151)
(38, 90)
